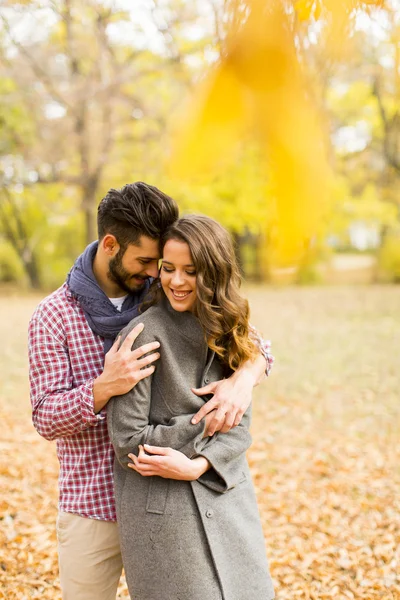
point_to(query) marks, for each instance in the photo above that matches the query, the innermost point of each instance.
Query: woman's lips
(180, 295)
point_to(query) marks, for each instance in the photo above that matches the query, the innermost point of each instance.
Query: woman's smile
(180, 295)
(178, 276)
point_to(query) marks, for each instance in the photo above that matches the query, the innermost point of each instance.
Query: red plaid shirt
(65, 357)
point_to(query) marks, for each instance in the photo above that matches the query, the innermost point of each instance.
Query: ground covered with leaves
(325, 457)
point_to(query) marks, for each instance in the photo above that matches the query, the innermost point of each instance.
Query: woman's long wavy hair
(223, 313)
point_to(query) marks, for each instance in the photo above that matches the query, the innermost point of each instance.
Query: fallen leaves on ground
(325, 458)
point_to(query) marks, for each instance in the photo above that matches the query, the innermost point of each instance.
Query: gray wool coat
(184, 540)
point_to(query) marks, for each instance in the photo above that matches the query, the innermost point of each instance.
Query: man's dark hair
(136, 209)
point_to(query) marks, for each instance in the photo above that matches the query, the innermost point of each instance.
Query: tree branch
(37, 69)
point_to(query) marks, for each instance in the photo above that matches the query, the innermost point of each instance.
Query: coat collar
(185, 322)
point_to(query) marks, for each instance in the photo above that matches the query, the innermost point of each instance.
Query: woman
(198, 539)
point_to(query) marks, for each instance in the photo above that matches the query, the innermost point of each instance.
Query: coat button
(209, 513)
(206, 380)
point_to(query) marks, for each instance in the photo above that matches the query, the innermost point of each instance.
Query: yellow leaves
(257, 89)
(216, 116)
(324, 459)
(336, 16)
(308, 8)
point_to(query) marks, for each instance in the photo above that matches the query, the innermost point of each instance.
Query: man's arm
(232, 396)
(59, 408)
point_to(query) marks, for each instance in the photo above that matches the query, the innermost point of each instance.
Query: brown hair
(136, 209)
(223, 313)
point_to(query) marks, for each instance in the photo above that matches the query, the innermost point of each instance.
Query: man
(76, 366)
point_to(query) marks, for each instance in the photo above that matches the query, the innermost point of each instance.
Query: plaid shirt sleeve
(59, 409)
(265, 348)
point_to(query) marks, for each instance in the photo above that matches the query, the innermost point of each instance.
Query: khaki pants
(89, 558)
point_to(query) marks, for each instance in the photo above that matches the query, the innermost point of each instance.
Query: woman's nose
(177, 278)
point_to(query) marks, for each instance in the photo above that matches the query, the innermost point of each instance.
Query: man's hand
(123, 368)
(208, 420)
(232, 397)
(230, 401)
(167, 463)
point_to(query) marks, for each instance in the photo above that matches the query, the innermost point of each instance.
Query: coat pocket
(157, 495)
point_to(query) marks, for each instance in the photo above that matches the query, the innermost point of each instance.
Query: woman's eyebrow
(170, 263)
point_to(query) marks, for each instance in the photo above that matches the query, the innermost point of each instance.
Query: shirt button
(209, 513)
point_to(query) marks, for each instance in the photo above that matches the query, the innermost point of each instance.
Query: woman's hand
(167, 463)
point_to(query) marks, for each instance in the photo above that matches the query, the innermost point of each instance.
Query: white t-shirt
(118, 302)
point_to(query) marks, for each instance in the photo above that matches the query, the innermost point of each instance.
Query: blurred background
(281, 119)
(94, 96)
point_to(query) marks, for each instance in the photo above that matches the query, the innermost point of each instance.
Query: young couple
(170, 435)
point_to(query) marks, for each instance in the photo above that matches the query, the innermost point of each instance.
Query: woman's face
(178, 276)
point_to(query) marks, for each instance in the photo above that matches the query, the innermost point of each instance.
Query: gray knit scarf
(103, 317)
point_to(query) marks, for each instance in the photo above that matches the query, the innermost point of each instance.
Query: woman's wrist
(199, 465)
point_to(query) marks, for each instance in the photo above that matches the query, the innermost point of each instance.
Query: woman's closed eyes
(171, 270)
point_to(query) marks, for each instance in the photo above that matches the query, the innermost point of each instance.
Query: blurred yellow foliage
(258, 90)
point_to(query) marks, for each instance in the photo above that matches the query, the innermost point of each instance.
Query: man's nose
(152, 270)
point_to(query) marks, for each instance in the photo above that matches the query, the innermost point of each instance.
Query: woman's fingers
(145, 472)
(163, 451)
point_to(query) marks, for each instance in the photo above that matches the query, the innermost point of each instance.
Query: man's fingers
(150, 347)
(229, 421)
(239, 417)
(115, 346)
(207, 389)
(145, 373)
(131, 337)
(205, 409)
(217, 421)
(148, 359)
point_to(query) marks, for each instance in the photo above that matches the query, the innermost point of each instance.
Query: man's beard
(119, 275)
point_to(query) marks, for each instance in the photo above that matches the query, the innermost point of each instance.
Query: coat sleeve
(129, 425)
(226, 454)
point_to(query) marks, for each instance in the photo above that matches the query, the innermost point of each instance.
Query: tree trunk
(89, 207)
(237, 243)
(15, 232)
(89, 223)
(32, 270)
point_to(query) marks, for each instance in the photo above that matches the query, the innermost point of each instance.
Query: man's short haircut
(136, 209)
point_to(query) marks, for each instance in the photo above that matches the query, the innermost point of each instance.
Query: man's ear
(110, 245)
